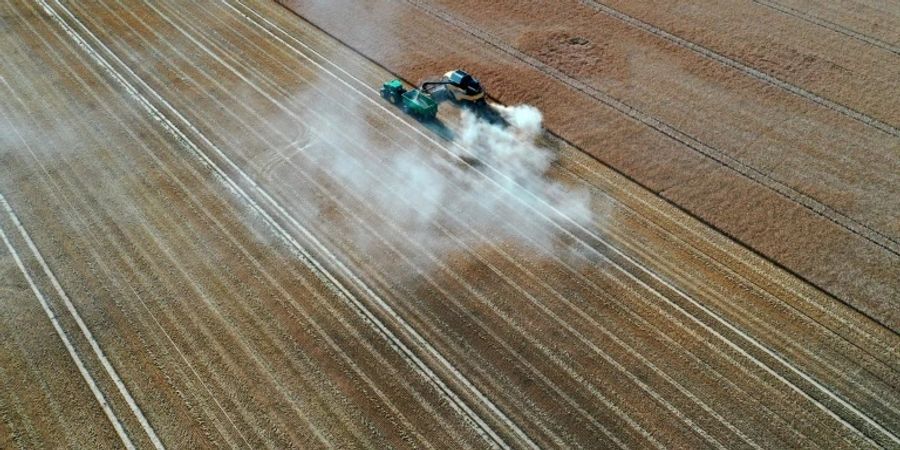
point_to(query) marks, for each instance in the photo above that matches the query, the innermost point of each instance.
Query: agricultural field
(676, 226)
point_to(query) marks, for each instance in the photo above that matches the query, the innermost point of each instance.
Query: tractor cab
(393, 91)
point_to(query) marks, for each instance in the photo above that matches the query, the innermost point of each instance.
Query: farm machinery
(421, 102)
(414, 102)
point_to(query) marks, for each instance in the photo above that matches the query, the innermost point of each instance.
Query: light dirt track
(182, 257)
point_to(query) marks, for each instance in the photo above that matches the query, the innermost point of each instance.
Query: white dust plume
(386, 188)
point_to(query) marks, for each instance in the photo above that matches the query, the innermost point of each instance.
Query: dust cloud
(399, 192)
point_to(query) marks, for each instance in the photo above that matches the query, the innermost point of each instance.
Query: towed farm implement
(422, 102)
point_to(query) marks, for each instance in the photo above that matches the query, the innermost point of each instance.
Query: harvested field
(215, 233)
(792, 118)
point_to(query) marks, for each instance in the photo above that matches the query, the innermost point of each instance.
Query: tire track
(360, 338)
(205, 336)
(309, 260)
(513, 284)
(820, 209)
(729, 274)
(105, 269)
(474, 293)
(590, 344)
(247, 126)
(82, 187)
(80, 117)
(747, 70)
(251, 129)
(15, 356)
(617, 188)
(248, 354)
(613, 249)
(271, 144)
(806, 17)
(655, 279)
(489, 331)
(847, 382)
(838, 325)
(236, 243)
(101, 399)
(111, 372)
(122, 171)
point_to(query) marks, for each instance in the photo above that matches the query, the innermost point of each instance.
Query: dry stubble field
(216, 234)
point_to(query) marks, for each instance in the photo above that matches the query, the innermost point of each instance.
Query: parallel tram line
(189, 315)
(524, 293)
(766, 294)
(806, 17)
(695, 399)
(261, 137)
(277, 59)
(755, 73)
(109, 369)
(581, 164)
(12, 344)
(98, 395)
(103, 103)
(105, 268)
(484, 327)
(311, 262)
(815, 319)
(824, 362)
(360, 339)
(792, 288)
(849, 379)
(655, 209)
(290, 299)
(571, 270)
(225, 352)
(250, 128)
(151, 154)
(214, 302)
(655, 279)
(60, 193)
(818, 208)
(247, 126)
(97, 98)
(55, 412)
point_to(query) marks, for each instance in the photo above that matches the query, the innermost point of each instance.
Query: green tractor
(414, 102)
